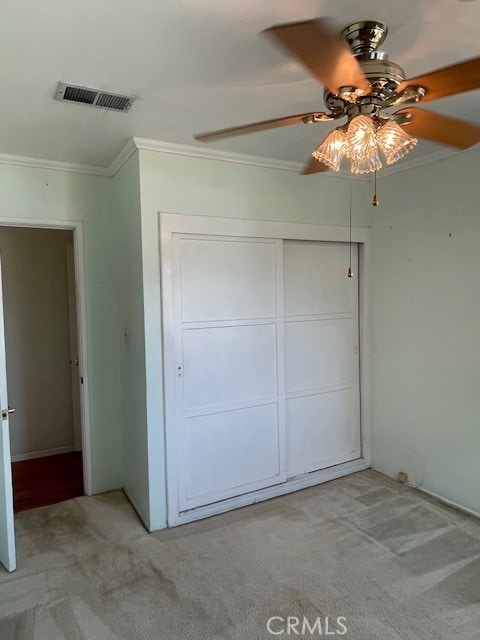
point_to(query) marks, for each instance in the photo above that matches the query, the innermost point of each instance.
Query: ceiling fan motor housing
(384, 76)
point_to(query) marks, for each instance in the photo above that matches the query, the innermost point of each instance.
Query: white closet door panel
(227, 280)
(315, 278)
(230, 452)
(320, 432)
(319, 354)
(229, 378)
(224, 365)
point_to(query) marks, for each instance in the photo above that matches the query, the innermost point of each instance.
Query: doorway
(43, 364)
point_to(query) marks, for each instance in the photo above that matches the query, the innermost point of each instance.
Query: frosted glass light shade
(366, 164)
(394, 141)
(362, 145)
(360, 136)
(332, 150)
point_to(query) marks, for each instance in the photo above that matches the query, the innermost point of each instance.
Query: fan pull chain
(350, 272)
(375, 201)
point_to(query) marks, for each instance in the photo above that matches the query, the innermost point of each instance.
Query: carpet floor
(392, 562)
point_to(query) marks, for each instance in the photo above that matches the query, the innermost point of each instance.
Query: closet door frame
(172, 224)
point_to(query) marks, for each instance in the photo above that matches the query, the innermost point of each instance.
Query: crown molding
(406, 165)
(160, 146)
(53, 165)
(120, 159)
(214, 154)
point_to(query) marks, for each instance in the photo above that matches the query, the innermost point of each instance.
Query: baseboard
(138, 511)
(157, 527)
(432, 494)
(451, 503)
(18, 457)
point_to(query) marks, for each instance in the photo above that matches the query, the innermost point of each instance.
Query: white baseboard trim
(432, 494)
(294, 484)
(18, 457)
(451, 503)
(142, 517)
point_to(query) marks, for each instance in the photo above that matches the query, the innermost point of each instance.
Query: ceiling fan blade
(259, 126)
(314, 166)
(320, 49)
(464, 76)
(443, 129)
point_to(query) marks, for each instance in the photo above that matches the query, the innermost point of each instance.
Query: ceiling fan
(362, 84)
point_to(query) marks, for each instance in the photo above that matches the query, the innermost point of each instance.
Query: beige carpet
(395, 564)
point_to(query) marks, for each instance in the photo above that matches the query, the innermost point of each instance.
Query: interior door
(74, 357)
(230, 398)
(321, 356)
(7, 533)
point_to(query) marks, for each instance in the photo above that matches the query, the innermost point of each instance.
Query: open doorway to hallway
(42, 355)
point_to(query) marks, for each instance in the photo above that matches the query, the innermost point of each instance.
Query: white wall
(127, 232)
(37, 338)
(180, 184)
(45, 194)
(426, 302)
(426, 310)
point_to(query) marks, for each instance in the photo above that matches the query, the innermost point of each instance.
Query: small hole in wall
(450, 235)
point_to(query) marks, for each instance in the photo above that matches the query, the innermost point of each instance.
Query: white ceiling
(196, 65)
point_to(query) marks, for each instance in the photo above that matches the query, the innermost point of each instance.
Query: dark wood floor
(43, 481)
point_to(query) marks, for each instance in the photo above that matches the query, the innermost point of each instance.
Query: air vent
(93, 97)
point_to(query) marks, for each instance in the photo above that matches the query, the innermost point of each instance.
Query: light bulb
(360, 136)
(394, 141)
(332, 150)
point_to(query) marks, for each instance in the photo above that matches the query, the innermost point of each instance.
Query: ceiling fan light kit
(363, 85)
(361, 142)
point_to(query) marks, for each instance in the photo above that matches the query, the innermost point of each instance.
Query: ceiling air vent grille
(93, 97)
(79, 95)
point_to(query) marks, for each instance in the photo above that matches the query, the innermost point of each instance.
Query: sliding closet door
(230, 399)
(321, 356)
